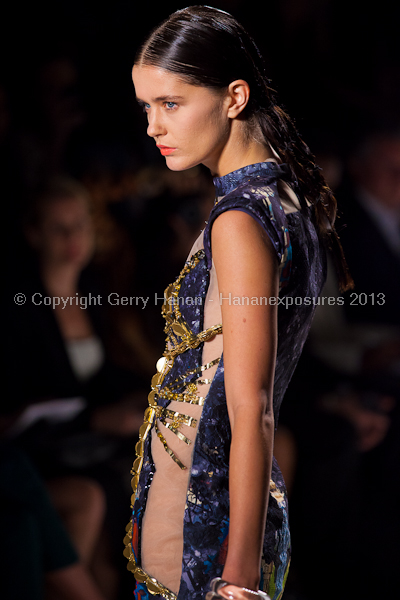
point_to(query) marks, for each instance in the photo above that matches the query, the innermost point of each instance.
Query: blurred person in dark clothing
(58, 335)
(68, 405)
(347, 440)
(370, 206)
(37, 556)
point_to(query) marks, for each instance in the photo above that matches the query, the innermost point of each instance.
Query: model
(208, 498)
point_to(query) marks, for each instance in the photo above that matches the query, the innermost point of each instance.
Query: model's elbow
(256, 408)
(268, 423)
(266, 406)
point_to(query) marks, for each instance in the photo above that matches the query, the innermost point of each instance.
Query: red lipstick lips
(165, 150)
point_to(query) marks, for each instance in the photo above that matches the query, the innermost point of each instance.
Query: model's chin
(179, 164)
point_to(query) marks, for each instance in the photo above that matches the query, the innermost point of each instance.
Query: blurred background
(91, 210)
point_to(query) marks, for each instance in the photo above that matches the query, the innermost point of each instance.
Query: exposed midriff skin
(162, 526)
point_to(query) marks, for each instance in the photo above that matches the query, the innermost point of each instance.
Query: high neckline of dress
(227, 183)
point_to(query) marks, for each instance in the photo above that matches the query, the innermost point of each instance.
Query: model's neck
(239, 152)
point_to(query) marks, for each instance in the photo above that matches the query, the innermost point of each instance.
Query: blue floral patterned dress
(254, 190)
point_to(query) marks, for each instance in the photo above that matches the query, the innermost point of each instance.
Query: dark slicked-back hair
(208, 47)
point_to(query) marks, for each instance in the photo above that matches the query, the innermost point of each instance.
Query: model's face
(188, 123)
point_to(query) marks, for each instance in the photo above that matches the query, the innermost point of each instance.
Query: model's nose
(155, 126)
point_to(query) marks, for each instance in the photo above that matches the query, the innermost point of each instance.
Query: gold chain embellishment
(175, 327)
(200, 369)
(189, 395)
(186, 396)
(168, 449)
(153, 586)
(171, 294)
(177, 419)
(192, 341)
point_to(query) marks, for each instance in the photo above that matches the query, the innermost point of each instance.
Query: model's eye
(170, 105)
(144, 106)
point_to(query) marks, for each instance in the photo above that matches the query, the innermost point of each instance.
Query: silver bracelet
(259, 594)
(218, 583)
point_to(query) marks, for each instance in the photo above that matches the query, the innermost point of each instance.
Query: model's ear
(239, 94)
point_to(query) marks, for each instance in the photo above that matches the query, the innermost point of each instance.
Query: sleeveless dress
(177, 539)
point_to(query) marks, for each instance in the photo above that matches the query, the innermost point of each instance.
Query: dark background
(336, 67)
(334, 63)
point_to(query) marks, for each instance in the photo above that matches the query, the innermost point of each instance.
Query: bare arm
(246, 266)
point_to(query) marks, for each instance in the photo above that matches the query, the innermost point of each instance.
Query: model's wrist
(223, 590)
(241, 577)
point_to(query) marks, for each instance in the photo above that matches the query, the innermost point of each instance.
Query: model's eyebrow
(161, 99)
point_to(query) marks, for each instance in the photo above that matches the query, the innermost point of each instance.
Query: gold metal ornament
(175, 327)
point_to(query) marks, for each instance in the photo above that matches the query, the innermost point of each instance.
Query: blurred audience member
(48, 563)
(370, 204)
(62, 321)
(68, 405)
(346, 433)
(358, 335)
